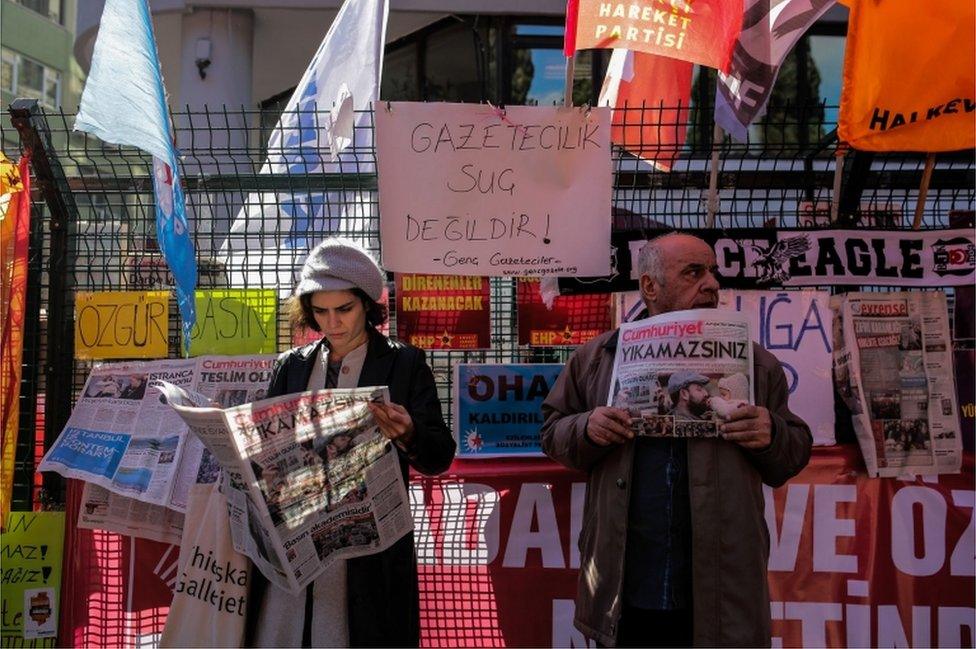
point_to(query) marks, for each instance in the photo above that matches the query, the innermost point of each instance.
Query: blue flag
(124, 102)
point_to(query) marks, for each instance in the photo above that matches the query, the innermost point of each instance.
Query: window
(8, 71)
(47, 8)
(828, 56)
(30, 77)
(537, 67)
(26, 77)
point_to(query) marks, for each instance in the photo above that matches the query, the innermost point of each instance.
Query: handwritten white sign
(796, 327)
(472, 190)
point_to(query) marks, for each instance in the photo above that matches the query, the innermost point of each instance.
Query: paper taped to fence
(122, 438)
(121, 324)
(497, 407)
(469, 189)
(893, 364)
(31, 546)
(795, 326)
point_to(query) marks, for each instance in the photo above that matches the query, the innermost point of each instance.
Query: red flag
(650, 96)
(572, 16)
(699, 31)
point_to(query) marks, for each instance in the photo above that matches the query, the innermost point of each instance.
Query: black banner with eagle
(768, 258)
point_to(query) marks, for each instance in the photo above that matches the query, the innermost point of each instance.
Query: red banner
(443, 311)
(698, 31)
(572, 320)
(15, 236)
(853, 562)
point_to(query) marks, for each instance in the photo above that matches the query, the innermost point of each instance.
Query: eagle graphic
(773, 262)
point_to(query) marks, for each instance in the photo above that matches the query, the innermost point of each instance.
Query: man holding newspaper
(676, 471)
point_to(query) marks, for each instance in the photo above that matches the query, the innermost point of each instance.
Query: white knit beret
(340, 264)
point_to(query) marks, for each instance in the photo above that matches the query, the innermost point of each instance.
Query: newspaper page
(121, 437)
(894, 369)
(309, 478)
(100, 509)
(680, 374)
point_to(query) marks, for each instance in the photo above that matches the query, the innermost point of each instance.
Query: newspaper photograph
(121, 437)
(309, 478)
(893, 367)
(681, 374)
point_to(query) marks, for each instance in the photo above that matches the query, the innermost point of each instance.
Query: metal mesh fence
(93, 227)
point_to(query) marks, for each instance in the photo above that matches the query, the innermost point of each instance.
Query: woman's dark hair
(301, 315)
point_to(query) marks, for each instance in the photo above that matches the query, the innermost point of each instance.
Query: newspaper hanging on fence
(680, 374)
(309, 478)
(893, 367)
(121, 437)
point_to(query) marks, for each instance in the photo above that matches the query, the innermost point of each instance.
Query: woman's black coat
(384, 598)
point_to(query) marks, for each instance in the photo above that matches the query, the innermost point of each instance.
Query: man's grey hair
(650, 261)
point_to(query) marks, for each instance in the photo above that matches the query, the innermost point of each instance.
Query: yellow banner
(909, 76)
(121, 324)
(31, 551)
(235, 321)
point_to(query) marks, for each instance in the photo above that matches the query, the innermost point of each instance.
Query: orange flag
(656, 92)
(909, 81)
(699, 31)
(14, 233)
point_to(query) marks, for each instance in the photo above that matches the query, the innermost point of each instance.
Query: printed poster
(121, 324)
(471, 189)
(572, 320)
(965, 367)
(444, 311)
(498, 408)
(31, 549)
(235, 321)
(795, 326)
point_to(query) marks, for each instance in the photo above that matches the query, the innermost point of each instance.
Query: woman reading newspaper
(373, 600)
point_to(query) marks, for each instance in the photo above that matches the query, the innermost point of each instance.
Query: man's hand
(749, 426)
(608, 426)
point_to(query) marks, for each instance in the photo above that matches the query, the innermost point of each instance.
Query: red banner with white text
(854, 561)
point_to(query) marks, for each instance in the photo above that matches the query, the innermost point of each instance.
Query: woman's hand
(394, 421)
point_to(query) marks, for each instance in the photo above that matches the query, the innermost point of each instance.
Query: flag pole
(718, 135)
(839, 155)
(569, 49)
(570, 73)
(923, 190)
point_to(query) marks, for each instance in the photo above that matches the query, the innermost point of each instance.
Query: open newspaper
(680, 374)
(122, 438)
(309, 478)
(100, 509)
(893, 367)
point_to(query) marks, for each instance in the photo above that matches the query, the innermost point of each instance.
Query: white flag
(274, 231)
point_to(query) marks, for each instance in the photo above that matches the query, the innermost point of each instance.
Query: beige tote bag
(210, 600)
